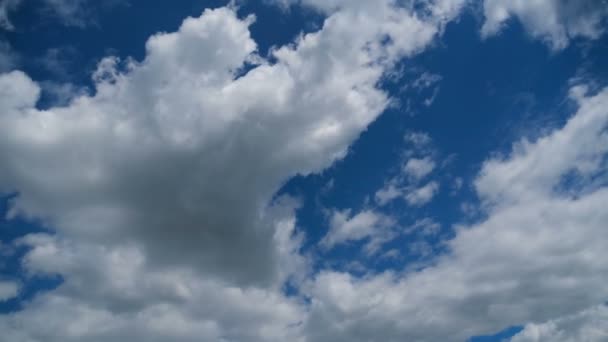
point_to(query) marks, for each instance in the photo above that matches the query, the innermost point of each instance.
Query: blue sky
(303, 170)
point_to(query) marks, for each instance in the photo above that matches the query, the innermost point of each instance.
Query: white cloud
(367, 224)
(425, 226)
(419, 140)
(554, 21)
(588, 325)
(388, 193)
(112, 293)
(420, 196)
(407, 184)
(426, 80)
(160, 185)
(418, 168)
(538, 256)
(165, 155)
(70, 12)
(8, 290)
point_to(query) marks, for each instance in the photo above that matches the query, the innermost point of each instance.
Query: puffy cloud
(536, 170)
(419, 140)
(164, 155)
(8, 290)
(408, 183)
(418, 168)
(178, 154)
(377, 228)
(554, 21)
(425, 227)
(160, 186)
(422, 195)
(112, 293)
(538, 256)
(588, 325)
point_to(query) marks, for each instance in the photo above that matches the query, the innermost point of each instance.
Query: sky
(303, 170)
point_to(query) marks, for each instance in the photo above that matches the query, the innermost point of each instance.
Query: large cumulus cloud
(159, 189)
(159, 186)
(178, 154)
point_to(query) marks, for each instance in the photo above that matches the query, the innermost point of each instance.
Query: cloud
(556, 22)
(7, 57)
(163, 155)
(425, 227)
(112, 293)
(160, 187)
(538, 256)
(365, 225)
(5, 8)
(588, 325)
(418, 168)
(422, 195)
(8, 290)
(408, 183)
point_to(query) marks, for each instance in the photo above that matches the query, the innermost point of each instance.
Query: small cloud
(8, 289)
(377, 228)
(423, 195)
(425, 227)
(418, 168)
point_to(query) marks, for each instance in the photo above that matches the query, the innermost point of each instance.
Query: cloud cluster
(159, 186)
(588, 325)
(412, 183)
(539, 255)
(554, 21)
(368, 225)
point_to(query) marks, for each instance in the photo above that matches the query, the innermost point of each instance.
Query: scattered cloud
(556, 22)
(588, 325)
(8, 290)
(159, 189)
(418, 168)
(367, 225)
(504, 270)
(408, 184)
(420, 196)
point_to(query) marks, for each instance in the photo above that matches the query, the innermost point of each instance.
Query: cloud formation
(588, 325)
(368, 225)
(8, 290)
(539, 255)
(160, 185)
(556, 22)
(160, 191)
